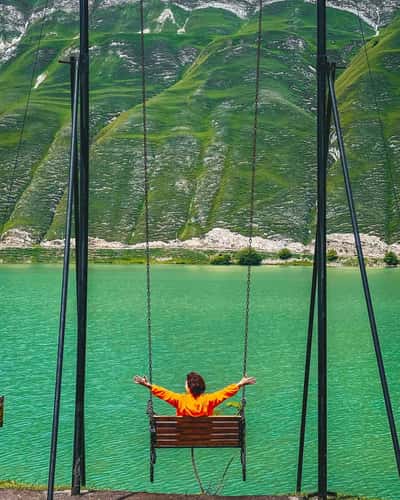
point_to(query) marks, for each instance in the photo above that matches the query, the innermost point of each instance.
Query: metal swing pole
(310, 329)
(321, 252)
(364, 277)
(78, 466)
(74, 64)
(307, 367)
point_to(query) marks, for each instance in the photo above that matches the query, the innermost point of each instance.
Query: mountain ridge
(201, 97)
(15, 22)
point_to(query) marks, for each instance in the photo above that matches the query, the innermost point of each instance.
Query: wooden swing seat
(197, 432)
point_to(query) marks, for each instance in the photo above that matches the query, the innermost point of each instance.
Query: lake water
(198, 325)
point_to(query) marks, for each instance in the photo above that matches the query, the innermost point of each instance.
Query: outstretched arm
(141, 381)
(220, 396)
(246, 381)
(168, 396)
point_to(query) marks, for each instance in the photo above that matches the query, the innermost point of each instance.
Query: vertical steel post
(78, 467)
(311, 323)
(64, 290)
(321, 251)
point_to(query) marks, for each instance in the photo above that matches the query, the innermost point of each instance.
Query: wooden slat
(197, 444)
(196, 430)
(209, 417)
(199, 426)
(201, 423)
(168, 447)
(199, 439)
(204, 444)
(197, 433)
(216, 419)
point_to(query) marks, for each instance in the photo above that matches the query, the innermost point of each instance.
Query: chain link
(146, 200)
(252, 196)
(146, 205)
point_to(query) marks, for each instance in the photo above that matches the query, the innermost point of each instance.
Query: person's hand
(141, 380)
(247, 381)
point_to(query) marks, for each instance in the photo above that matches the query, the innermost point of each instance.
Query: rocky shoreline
(221, 240)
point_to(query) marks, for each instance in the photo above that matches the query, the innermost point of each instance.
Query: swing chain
(252, 195)
(150, 409)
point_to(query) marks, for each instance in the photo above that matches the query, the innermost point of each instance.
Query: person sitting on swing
(194, 403)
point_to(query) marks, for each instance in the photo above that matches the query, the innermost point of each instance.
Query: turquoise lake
(198, 317)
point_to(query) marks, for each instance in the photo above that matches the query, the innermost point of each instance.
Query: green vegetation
(200, 103)
(342, 496)
(391, 259)
(285, 254)
(222, 259)
(332, 255)
(367, 91)
(249, 257)
(10, 484)
(40, 255)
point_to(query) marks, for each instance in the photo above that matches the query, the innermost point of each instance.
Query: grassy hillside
(369, 93)
(201, 78)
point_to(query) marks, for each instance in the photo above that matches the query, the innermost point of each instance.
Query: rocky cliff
(201, 74)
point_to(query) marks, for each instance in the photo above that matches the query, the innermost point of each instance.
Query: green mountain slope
(201, 79)
(369, 93)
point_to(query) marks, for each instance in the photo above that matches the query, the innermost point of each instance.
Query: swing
(211, 431)
(197, 432)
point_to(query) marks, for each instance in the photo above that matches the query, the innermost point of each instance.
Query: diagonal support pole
(307, 371)
(65, 278)
(364, 277)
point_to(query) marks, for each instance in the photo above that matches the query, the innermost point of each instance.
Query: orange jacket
(188, 406)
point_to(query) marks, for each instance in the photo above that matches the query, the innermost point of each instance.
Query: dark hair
(196, 383)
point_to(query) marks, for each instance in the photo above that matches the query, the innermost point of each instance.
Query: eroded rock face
(16, 17)
(200, 122)
(16, 238)
(13, 24)
(377, 12)
(225, 240)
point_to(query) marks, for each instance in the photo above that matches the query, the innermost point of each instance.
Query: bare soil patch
(26, 494)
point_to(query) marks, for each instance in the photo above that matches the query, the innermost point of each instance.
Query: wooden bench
(197, 432)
